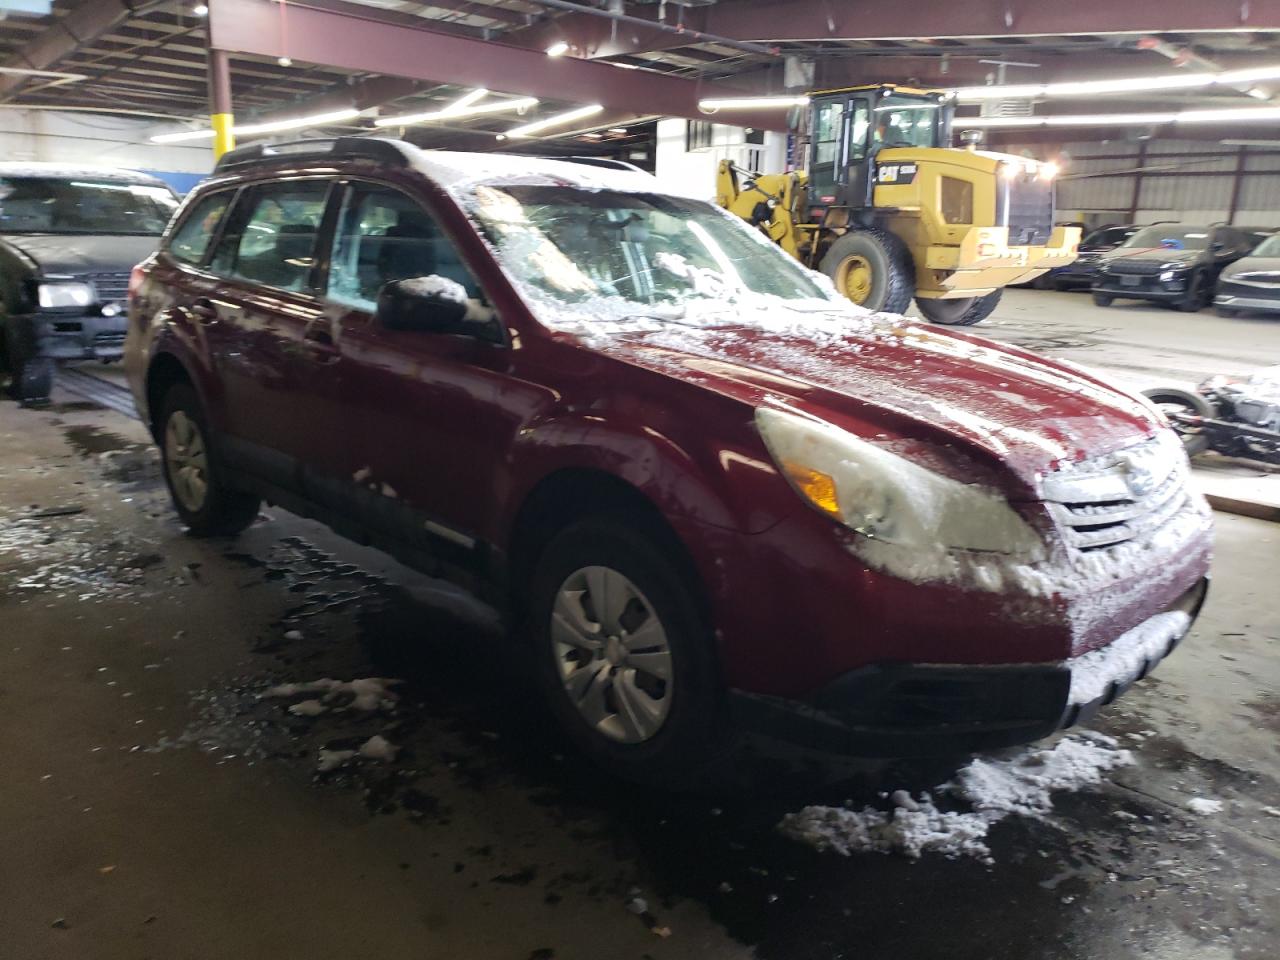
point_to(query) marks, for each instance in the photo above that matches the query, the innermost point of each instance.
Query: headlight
(52, 295)
(884, 497)
(1176, 265)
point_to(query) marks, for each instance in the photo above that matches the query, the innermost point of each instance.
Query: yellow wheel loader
(889, 211)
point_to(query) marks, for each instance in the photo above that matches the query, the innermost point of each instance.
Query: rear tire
(959, 313)
(596, 672)
(873, 268)
(206, 505)
(1103, 300)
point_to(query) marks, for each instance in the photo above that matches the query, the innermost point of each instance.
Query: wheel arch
(164, 371)
(569, 494)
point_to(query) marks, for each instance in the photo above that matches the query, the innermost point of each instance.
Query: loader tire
(960, 313)
(873, 268)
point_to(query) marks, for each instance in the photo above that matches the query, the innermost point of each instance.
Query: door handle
(317, 332)
(204, 310)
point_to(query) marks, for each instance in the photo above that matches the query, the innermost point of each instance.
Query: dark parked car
(68, 238)
(1170, 263)
(709, 492)
(1084, 270)
(1252, 283)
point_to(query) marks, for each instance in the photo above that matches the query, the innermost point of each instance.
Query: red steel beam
(354, 38)
(794, 20)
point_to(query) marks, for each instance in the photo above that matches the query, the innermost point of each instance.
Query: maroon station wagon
(712, 494)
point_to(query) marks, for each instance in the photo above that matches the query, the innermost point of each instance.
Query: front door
(436, 411)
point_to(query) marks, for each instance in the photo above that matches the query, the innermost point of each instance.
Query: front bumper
(1145, 287)
(929, 710)
(71, 336)
(984, 261)
(1236, 302)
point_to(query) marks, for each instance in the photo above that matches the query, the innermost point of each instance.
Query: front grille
(1121, 497)
(110, 286)
(1135, 268)
(1025, 206)
(109, 338)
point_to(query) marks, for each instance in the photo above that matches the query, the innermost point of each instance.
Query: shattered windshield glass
(617, 254)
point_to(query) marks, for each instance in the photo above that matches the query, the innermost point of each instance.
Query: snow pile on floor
(1204, 806)
(994, 789)
(367, 694)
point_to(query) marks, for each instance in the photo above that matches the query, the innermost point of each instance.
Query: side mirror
(431, 304)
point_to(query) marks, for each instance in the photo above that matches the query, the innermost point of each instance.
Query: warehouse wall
(684, 170)
(100, 139)
(1193, 181)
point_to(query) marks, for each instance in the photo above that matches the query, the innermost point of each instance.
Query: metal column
(220, 116)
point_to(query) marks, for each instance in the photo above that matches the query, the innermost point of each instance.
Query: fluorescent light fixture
(200, 9)
(454, 110)
(1236, 115)
(57, 77)
(618, 130)
(529, 129)
(183, 137)
(558, 49)
(748, 103)
(271, 126)
(1083, 88)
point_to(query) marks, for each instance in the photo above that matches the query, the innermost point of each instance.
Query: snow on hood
(891, 372)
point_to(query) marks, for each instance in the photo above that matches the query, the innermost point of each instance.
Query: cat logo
(895, 173)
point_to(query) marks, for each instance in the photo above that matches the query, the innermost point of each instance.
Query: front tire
(1103, 300)
(873, 268)
(1198, 295)
(960, 313)
(1226, 312)
(623, 654)
(206, 505)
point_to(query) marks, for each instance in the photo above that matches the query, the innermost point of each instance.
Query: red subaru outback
(715, 494)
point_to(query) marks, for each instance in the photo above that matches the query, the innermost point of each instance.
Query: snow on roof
(66, 171)
(458, 171)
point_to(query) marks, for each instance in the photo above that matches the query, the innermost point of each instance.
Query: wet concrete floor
(154, 804)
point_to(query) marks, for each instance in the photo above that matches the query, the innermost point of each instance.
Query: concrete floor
(153, 805)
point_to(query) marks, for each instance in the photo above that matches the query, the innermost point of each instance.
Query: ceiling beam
(354, 38)
(65, 35)
(795, 20)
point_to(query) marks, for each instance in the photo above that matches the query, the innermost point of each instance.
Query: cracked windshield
(625, 255)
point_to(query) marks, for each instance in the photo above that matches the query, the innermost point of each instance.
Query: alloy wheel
(612, 654)
(187, 461)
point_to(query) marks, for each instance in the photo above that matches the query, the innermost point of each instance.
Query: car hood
(1269, 267)
(1159, 254)
(897, 380)
(60, 253)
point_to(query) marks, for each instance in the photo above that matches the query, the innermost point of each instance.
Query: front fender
(692, 477)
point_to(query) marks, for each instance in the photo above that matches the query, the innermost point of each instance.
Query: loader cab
(849, 127)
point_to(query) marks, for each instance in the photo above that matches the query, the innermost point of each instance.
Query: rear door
(272, 340)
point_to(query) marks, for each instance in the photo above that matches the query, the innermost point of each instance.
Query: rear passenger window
(191, 239)
(382, 236)
(272, 238)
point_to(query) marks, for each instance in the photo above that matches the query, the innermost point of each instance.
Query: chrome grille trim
(1120, 497)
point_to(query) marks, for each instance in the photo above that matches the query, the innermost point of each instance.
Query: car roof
(454, 171)
(66, 171)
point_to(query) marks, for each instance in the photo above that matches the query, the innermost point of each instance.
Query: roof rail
(372, 148)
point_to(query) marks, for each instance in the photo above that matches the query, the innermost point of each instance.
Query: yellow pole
(220, 116)
(224, 138)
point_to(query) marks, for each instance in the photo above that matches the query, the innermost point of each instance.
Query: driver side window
(382, 236)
